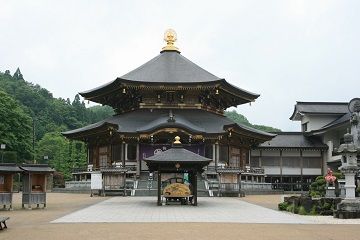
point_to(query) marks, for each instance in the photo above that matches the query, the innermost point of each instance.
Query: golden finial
(170, 38)
(177, 140)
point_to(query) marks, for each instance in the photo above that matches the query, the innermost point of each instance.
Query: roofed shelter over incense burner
(168, 96)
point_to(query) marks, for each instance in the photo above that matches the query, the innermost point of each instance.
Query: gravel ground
(35, 224)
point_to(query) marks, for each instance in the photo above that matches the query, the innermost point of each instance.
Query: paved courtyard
(36, 224)
(144, 209)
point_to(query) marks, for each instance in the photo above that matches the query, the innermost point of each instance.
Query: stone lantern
(349, 167)
(350, 149)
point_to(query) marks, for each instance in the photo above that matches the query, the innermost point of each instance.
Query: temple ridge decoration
(170, 38)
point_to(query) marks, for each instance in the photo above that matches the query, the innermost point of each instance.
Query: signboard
(96, 181)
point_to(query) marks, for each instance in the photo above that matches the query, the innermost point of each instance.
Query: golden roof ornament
(177, 140)
(170, 38)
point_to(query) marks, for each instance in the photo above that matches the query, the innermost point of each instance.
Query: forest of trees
(31, 122)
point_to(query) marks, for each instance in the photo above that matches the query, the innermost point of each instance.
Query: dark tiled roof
(38, 168)
(343, 119)
(170, 67)
(9, 167)
(177, 154)
(293, 140)
(334, 108)
(144, 120)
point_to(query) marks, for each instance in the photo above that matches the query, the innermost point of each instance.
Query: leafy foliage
(15, 129)
(240, 119)
(317, 188)
(62, 154)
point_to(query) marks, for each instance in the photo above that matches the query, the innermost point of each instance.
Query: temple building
(166, 97)
(292, 160)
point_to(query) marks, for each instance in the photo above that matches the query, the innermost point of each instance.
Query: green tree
(15, 127)
(63, 155)
(240, 119)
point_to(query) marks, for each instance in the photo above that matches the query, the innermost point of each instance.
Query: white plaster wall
(255, 153)
(311, 153)
(312, 171)
(291, 171)
(272, 170)
(271, 153)
(291, 153)
(317, 121)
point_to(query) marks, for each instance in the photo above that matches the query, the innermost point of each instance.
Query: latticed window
(103, 156)
(292, 162)
(270, 161)
(312, 162)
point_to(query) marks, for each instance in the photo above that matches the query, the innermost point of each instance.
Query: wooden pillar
(123, 153)
(138, 160)
(126, 150)
(219, 188)
(260, 163)
(239, 183)
(159, 188)
(281, 166)
(195, 188)
(301, 166)
(216, 154)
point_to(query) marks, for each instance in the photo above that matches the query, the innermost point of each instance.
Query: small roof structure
(293, 140)
(9, 168)
(177, 159)
(37, 168)
(318, 108)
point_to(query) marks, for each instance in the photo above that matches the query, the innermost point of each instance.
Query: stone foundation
(348, 208)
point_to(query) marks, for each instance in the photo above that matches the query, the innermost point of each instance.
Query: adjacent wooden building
(7, 172)
(34, 182)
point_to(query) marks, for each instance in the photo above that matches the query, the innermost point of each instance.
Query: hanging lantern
(124, 91)
(217, 91)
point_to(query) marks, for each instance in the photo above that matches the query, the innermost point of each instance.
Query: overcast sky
(287, 51)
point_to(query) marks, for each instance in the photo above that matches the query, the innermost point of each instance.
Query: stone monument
(350, 149)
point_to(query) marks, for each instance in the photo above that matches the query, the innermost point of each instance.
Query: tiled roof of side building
(9, 167)
(293, 140)
(334, 108)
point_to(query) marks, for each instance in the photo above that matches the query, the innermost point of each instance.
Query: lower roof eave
(292, 148)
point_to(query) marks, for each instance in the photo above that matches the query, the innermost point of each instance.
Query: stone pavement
(144, 209)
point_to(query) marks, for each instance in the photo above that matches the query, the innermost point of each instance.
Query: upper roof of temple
(169, 71)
